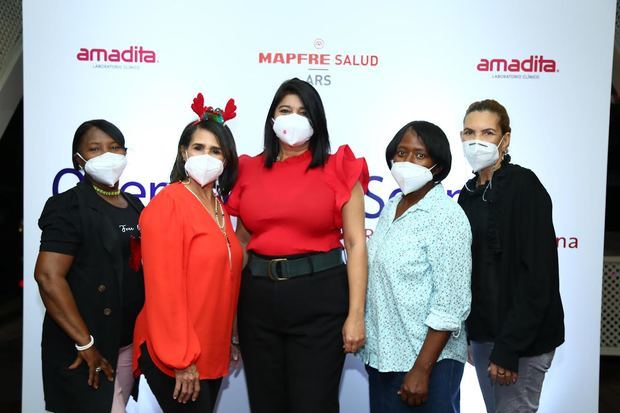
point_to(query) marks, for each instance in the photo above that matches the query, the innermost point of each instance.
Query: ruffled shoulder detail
(246, 163)
(245, 160)
(343, 170)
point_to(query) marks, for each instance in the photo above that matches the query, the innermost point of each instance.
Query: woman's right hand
(50, 273)
(414, 388)
(96, 364)
(187, 384)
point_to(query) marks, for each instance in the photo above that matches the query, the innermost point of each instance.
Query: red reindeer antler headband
(206, 112)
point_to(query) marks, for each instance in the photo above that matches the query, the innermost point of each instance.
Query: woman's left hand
(414, 389)
(500, 375)
(353, 333)
(235, 357)
(96, 364)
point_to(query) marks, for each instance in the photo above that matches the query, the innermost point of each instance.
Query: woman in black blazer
(90, 281)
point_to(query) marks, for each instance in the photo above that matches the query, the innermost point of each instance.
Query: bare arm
(414, 389)
(353, 331)
(244, 237)
(50, 273)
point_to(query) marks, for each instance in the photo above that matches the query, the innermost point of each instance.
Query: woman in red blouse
(192, 267)
(300, 307)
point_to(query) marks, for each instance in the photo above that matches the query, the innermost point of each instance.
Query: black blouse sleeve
(537, 274)
(60, 224)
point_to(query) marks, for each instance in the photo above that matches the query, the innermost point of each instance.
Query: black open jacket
(529, 318)
(96, 282)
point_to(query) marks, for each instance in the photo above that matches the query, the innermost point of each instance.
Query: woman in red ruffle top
(301, 308)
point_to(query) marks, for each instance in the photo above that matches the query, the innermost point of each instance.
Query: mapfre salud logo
(321, 64)
(528, 68)
(132, 57)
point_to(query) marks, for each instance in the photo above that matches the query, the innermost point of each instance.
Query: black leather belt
(281, 269)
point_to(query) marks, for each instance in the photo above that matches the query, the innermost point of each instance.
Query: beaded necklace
(106, 193)
(218, 209)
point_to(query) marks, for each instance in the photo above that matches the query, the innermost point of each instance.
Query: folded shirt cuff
(440, 321)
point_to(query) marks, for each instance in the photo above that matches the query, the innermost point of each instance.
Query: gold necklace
(222, 226)
(217, 207)
(106, 193)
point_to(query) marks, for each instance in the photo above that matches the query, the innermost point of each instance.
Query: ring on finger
(98, 369)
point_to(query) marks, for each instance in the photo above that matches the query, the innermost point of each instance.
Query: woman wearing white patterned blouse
(419, 282)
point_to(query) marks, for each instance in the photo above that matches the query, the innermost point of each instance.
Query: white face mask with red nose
(293, 129)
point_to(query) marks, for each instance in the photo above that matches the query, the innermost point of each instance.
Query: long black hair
(319, 142)
(227, 143)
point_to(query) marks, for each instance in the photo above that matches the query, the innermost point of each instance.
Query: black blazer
(96, 281)
(523, 242)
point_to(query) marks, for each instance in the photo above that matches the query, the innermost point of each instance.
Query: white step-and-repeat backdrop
(377, 65)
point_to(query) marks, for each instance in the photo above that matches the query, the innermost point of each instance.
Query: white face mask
(410, 177)
(481, 154)
(106, 168)
(204, 169)
(293, 129)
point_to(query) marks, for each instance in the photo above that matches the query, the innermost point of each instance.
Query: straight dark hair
(106, 127)
(319, 142)
(433, 138)
(227, 143)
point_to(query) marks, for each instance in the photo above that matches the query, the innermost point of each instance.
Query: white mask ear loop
(184, 161)
(82, 158)
(430, 169)
(500, 144)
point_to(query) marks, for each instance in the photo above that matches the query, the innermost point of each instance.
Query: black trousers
(162, 387)
(291, 341)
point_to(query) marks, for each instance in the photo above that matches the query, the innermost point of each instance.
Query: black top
(485, 260)
(78, 222)
(515, 281)
(125, 221)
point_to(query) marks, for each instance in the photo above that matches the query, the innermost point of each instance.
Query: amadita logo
(533, 64)
(133, 54)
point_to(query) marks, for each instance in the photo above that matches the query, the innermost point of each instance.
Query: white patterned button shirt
(419, 277)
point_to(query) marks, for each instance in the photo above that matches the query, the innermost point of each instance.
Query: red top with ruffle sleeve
(290, 209)
(191, 285)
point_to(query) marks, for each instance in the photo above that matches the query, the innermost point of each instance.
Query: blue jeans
(521, 397)
(443, 390)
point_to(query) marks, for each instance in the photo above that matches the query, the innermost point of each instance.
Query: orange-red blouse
(191, 285)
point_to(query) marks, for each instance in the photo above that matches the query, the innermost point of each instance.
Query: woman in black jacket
(89, 280)
(516, 318)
